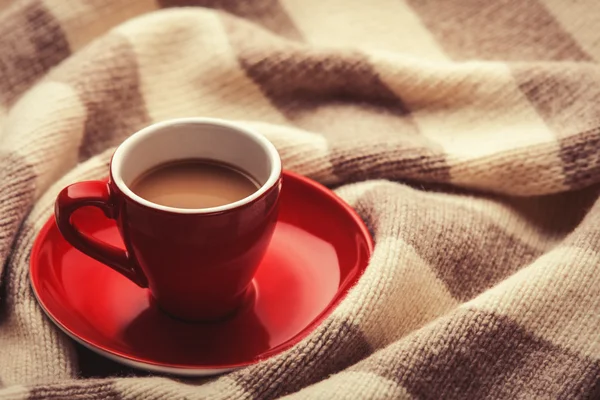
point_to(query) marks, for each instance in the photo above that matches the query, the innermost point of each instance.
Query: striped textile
(466, 133)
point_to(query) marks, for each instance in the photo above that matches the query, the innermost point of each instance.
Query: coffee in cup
(194, 183)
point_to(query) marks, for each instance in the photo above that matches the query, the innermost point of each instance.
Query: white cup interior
(196, 138)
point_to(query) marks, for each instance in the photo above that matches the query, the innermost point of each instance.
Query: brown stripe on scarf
(566, 96)
(74, 390)
(395, 158)
(580, 18)
(268, 13)
(338, 93)
(558, 213)
(115, 106)
(333, 347)
(460, 243)
(300, 79)
(504, 30)
(474, 354)
(31, 42)
(18, 188)
(587, 234)
(581, 157)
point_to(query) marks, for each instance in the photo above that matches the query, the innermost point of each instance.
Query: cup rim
(149, 130)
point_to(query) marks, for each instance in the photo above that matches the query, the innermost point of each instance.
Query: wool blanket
(465, 133)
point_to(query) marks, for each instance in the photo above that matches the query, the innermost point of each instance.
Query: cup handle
(97, 194)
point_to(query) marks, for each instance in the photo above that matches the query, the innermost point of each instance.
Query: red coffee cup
(197, 263)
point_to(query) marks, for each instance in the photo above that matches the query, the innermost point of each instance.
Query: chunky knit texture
(466, 133)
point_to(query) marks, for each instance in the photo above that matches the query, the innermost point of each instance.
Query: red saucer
(319, 250)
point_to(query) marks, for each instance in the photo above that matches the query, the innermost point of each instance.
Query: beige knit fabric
(466, 133)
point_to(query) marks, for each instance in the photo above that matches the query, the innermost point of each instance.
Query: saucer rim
(208, 370)
(142, 365)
